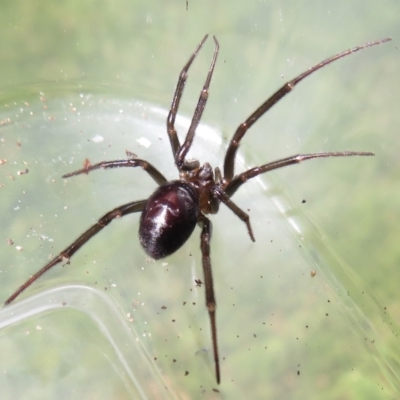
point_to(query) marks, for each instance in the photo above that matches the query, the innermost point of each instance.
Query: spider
(170, 214)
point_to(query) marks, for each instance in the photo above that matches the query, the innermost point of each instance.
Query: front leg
(173, 137)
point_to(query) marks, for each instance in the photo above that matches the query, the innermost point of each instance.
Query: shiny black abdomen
(168, 219)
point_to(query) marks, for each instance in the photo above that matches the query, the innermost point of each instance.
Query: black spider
(171, 213)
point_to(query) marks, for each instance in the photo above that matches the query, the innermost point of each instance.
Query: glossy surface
(168, 219)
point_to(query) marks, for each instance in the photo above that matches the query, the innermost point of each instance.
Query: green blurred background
(73, 71)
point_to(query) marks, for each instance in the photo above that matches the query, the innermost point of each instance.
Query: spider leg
(209, 287)
(224, 198)
(67, 253)
(229, 161)
(240, 179)
(181, 154)
(173, 137)
(150, 169)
